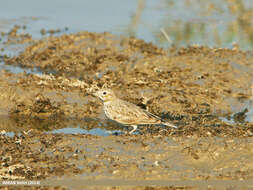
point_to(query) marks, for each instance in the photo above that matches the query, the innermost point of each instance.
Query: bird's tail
(169, 125)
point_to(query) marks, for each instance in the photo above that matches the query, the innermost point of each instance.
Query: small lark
(125, 112)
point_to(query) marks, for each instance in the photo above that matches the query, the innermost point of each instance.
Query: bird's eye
(104, 93)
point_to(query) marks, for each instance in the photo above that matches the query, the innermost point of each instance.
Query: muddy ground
(194, 88)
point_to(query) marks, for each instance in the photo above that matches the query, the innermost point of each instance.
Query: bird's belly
(114, 115)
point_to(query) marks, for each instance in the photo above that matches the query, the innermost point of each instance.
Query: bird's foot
(134, 129)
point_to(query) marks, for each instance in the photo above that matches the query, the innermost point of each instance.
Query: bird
(127, 113)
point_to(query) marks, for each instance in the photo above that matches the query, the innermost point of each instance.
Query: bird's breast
(108, 111)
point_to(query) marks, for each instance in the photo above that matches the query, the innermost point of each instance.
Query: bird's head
(105, 95)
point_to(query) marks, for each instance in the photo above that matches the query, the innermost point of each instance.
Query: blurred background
(214, 23)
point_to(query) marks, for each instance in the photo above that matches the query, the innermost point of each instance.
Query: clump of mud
(40, 107)
(15, 37)
(77, 54)
(191, 87)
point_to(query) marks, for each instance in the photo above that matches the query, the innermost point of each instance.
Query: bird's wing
(129, 113)
(152, 115)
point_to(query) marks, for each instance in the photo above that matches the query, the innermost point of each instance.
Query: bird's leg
(134, 128)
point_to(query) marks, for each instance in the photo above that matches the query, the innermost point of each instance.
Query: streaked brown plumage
(125, 112)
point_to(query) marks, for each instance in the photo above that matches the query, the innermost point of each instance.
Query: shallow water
(208, 23)
(11, 126)
(95, 131)
(17, 69)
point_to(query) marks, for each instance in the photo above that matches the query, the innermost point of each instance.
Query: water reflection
(10, 126)
(211, 23)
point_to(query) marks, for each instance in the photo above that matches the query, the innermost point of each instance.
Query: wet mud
(194, 88)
